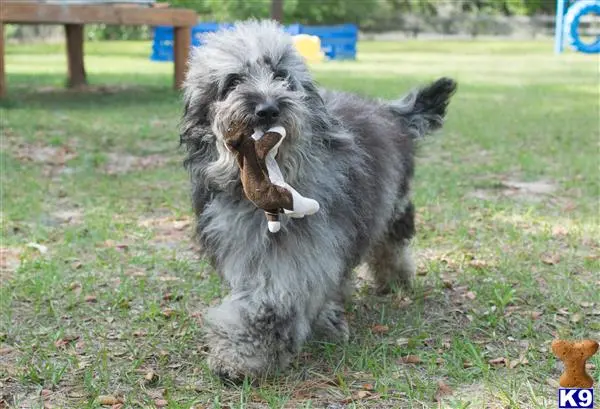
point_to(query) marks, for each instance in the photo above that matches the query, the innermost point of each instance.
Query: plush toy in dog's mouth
(262, 180)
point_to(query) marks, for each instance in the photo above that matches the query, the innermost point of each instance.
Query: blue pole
(558, 28)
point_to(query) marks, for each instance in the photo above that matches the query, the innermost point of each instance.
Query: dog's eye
(280, 76)
(231, 82)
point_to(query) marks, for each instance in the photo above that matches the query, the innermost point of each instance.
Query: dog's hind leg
(390, 260)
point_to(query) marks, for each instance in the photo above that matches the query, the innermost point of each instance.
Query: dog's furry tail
(423, 110)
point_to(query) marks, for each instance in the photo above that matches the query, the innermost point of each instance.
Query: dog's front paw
(225, 370)
(331, 324)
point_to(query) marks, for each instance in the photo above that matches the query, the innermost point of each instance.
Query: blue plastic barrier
(162, 46)
(337, 42)
(567, 23)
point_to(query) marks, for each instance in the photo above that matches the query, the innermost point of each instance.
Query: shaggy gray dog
(353, 155)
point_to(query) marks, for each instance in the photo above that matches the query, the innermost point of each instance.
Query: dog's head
(250, 74)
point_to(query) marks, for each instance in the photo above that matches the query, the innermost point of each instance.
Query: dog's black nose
(267, 112)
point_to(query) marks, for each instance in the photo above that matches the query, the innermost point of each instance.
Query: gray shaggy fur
(352, 154)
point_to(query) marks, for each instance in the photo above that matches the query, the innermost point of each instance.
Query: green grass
(118, 293)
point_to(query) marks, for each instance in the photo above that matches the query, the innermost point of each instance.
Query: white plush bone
(302, 205)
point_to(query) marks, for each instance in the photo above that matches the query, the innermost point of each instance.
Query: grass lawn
(102, 296)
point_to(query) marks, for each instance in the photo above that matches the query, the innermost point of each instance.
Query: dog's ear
(195, 128)
(321, 121)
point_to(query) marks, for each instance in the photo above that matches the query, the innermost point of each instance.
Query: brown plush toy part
(261, 177)
(574, 355)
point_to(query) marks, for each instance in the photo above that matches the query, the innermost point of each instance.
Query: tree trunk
(277, 10)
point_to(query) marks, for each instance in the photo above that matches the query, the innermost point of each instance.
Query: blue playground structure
(337, 42)
(568, 17)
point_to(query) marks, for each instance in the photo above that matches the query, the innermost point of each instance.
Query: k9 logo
(575, 398)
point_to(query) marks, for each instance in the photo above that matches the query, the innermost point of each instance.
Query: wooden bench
(74, 17)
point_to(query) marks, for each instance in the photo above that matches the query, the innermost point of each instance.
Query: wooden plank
(74, 33)
(181, 50)
(2, 73)
(41, 13)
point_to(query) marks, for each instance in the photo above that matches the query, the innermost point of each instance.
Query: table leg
(74, 34)
(181, 50)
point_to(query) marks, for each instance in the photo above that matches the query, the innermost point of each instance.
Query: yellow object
(309, 47)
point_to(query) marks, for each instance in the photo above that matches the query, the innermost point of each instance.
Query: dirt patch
(68, 216)
(526, 191)
(98, 89)
(10, 260)
(169, 232)
(52, 158)
(118, 163)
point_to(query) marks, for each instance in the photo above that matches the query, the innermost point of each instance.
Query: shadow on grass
(49, 91)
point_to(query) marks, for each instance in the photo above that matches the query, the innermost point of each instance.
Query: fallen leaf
(368, 387)
(550, 259)
(363, 394)
(140, 333)
(536, 315)
(577, 317)
(521, 361)
(5, 350)
(497, 361)
(74, 285)
(39, 247)
(586, 304)
(559, 231)
(380, 329)
(440, 361)
(112, 244)
(63, 342)
(109, 400)
(169, 278)
(135, 273)
(151, 376)
(402, 342)
(90, 298)
(168, 312)
(443, 391)
(409, 359)
(479, 264)
(467, 364)
(172, 297)
(404, 302)
(160, 403)
(45, 393)
(76, 265)
(470, 295)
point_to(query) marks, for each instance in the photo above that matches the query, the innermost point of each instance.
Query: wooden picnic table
(75, 16)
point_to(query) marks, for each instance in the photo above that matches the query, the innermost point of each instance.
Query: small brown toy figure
(261, 177)
(574, 355)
